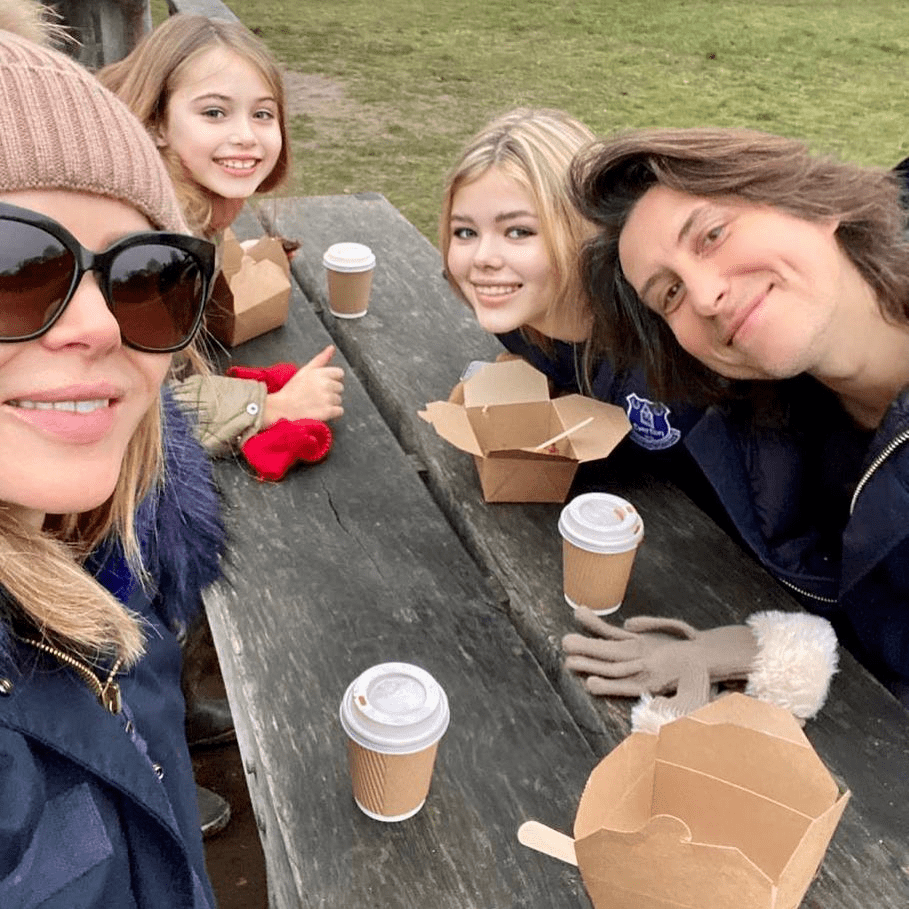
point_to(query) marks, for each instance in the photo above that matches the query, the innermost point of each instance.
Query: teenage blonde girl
(511, 238)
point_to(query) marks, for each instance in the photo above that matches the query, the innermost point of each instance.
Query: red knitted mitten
(275, 377)
(272, 452)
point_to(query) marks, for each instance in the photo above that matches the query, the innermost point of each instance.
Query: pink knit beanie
(61, 129)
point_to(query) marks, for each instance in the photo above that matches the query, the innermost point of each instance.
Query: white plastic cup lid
(349, 257)
(600, 522)
(394, 708)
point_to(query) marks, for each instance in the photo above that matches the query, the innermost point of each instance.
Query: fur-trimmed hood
(179, 528)
(31, 20)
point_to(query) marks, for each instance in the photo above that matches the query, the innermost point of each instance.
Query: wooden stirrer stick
(563, 435)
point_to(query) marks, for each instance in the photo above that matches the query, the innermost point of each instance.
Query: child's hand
(313, 392)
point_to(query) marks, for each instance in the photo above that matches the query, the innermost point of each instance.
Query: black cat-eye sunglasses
(156, 284)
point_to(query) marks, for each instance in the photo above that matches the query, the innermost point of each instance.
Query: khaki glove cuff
(227, 411)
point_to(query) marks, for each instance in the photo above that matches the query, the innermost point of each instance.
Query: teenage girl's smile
(494, 294)
(498, 256)
(223, 123)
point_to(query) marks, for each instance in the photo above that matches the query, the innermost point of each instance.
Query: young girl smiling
(212, 97)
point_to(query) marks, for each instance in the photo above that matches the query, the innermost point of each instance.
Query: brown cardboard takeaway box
(527, 447)
(727, 807)
(252, 292)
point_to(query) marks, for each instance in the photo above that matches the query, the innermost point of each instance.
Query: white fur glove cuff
(796, 659)
(795, 662)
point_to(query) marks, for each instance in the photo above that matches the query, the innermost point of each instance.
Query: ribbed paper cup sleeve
(596, 580)
(390, 786)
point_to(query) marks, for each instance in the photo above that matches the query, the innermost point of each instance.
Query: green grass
(417, 79)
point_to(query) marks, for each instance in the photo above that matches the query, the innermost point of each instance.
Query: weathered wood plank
(106, 30)
(349, 563)
(409, 350)
(214, 9)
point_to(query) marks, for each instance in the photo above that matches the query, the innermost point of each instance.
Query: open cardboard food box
(727, 807)
(527, 447)
(252, 291)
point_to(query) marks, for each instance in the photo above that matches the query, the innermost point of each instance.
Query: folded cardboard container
(727, 807)
(502, 414)
(252, 291)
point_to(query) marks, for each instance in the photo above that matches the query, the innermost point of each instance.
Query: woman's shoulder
(58, 838)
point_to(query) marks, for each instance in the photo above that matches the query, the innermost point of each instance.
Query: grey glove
(651, 655)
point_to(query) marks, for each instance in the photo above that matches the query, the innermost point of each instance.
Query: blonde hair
(147, 78)
(43, 573)
(534, 147)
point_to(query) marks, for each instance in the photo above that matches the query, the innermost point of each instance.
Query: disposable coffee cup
(600, 537)
(348, 270)
(394, 715)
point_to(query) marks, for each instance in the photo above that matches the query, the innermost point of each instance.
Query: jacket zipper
(899, 439)
(806, 593)
(889, 448)
(107, 693)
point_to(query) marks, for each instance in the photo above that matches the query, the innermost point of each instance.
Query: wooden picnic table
(386, 551)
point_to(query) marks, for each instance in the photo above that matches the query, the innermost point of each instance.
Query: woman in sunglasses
(109, 526)
(774, 283)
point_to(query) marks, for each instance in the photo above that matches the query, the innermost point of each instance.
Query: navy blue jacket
(786, 490)
(824, 507)
(98, 811)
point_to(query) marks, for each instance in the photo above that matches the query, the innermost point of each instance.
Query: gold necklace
(108, 693)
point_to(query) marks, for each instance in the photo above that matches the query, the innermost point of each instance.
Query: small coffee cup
(394, 715)
(348, 270)
(600, 537)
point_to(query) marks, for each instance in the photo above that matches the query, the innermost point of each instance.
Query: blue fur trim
(180, 528)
